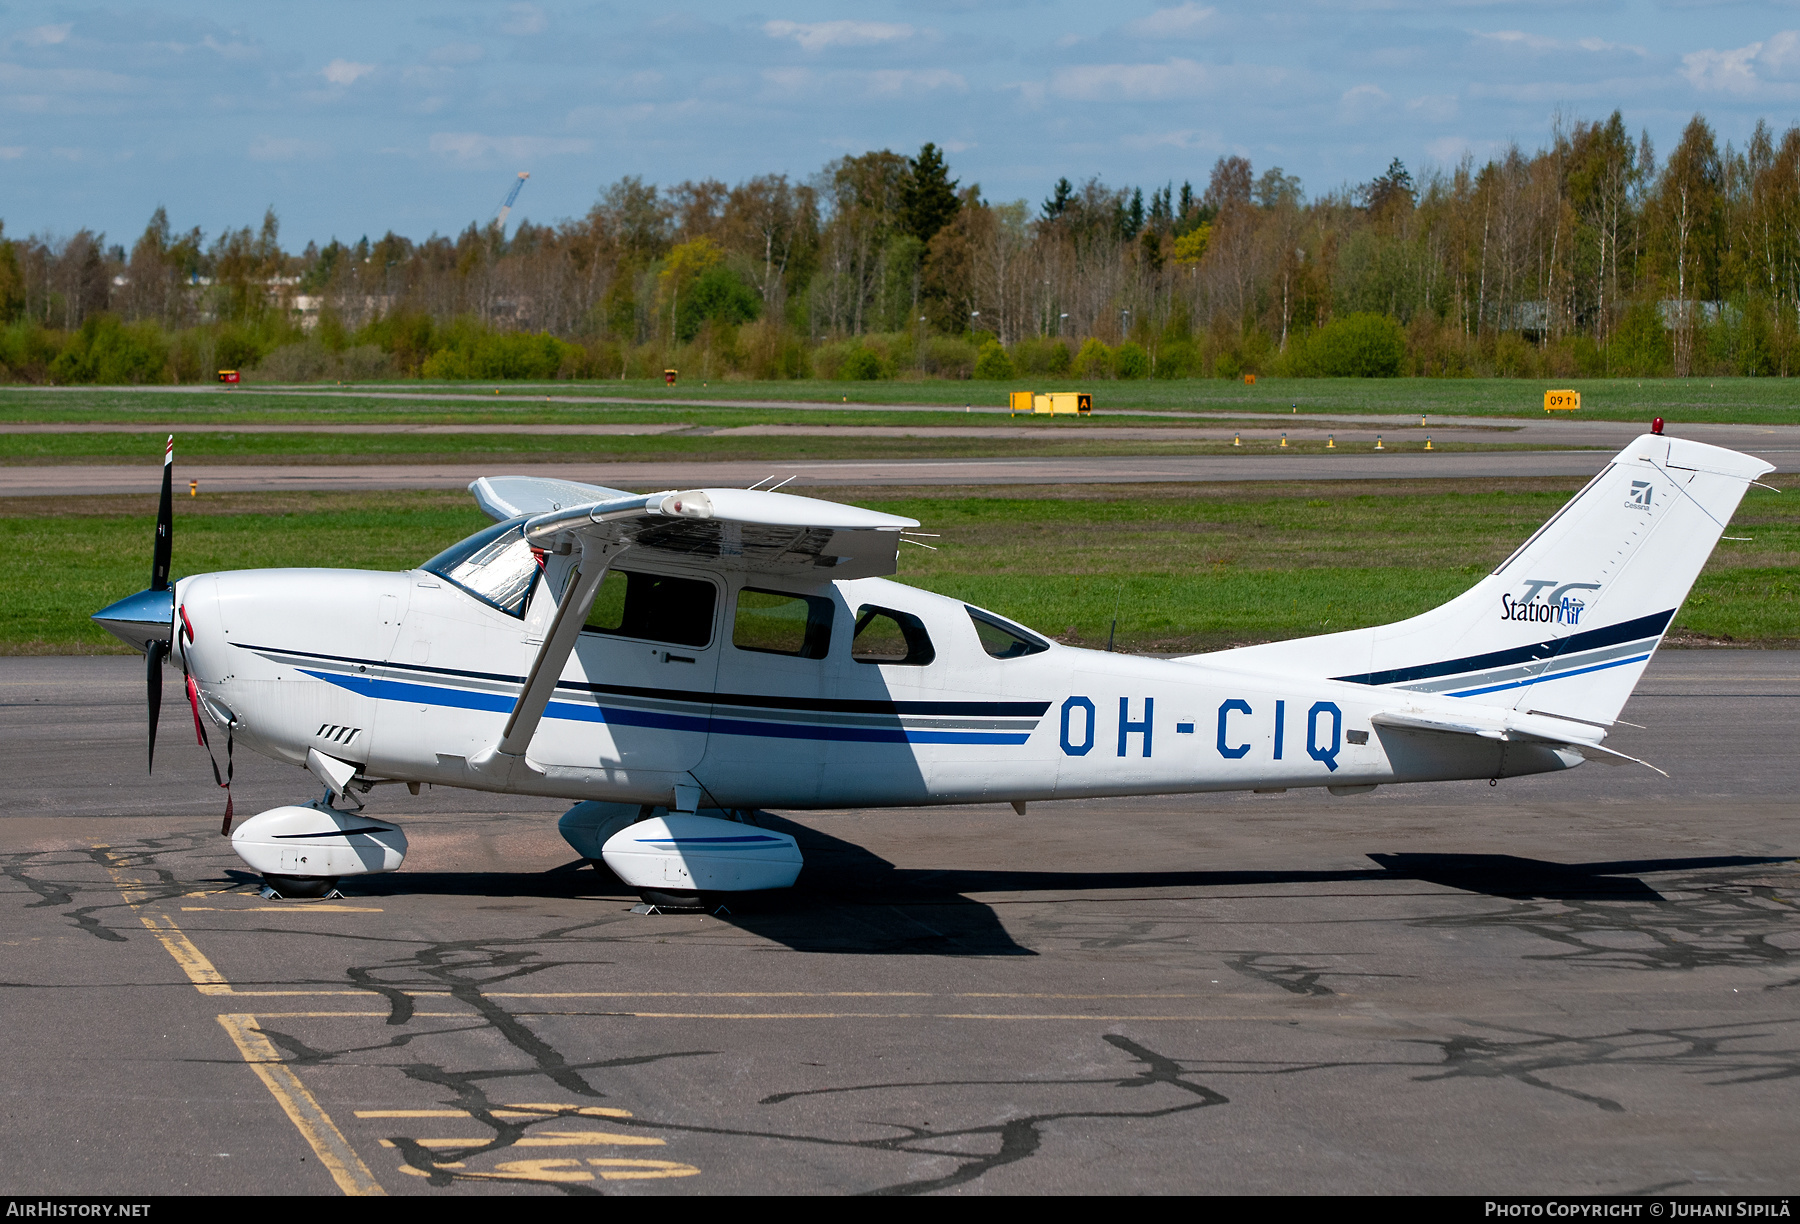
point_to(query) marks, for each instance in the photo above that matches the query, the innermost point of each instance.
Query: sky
(355, 118)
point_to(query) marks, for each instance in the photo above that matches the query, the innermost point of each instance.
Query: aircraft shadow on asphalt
(850, 900)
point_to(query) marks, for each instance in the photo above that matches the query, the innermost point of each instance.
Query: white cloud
(1185, 21)
(818, 35)
(1174, 78)
(1361, 101)
(788, 80)
(11, 152)
(46, 35)
(285, 148)
(1543, 44)
(1448, 150)
(1742, 70)
(1438, 108)
(1186, 138)
(345, 72)
(456, 53)
(894, 83)
(473, 146)
(524, 19)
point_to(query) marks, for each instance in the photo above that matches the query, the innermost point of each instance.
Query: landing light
(687, 505)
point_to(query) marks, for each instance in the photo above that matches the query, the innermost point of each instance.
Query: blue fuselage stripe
(1561, 675)
(431, 694)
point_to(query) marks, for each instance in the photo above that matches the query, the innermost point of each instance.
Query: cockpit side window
(886, 636)
(497, 566)
(1002, 639)
(774, 622)
(654, 607)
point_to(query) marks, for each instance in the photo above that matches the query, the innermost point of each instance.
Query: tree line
(1586, 257)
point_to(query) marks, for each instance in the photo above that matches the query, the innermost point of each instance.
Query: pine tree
(927, 195)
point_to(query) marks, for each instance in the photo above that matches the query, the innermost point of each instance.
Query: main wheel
(300, 886)
(671, 900)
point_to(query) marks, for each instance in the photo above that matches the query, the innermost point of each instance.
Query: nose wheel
(282, 887)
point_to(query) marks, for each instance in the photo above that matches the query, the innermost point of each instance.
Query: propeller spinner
(146, 620)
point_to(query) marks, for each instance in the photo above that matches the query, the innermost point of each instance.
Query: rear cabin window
(497, 566)
(1002, 639)
(884, 635)
(771, 622)
(655, 607)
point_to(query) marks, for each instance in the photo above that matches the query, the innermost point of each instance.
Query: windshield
(1002, 639)
(497, 566)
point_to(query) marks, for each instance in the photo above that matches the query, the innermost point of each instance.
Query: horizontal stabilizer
(1507, 726)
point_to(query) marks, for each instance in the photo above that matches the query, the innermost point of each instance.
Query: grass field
(217, 446)
(1187, 570)
(1750, 400)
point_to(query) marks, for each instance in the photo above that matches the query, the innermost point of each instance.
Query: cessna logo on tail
(1640, 495)
(1558, 609)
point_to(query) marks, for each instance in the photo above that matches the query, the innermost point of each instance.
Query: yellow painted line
(566, 1170)
(821, 994)
(586, 1111)
(547, 1139)
(715, 994)
(638, 1015)
(281, 909)
(511, 1111)
(326, 1015)
(303, 1110)
(193, 962)
(301, 994)
(131, 890)
(626, 1170)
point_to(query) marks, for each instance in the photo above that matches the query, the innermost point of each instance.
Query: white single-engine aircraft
(660, 656)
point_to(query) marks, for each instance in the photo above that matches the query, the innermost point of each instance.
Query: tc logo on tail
(1640, 495)
(1558, 609)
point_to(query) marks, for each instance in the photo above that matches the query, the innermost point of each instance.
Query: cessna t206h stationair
(676, 661)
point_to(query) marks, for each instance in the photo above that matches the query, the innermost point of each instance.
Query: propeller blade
(165, 522)
(154, 654)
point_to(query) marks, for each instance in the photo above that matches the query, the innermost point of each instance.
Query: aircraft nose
(137, 620)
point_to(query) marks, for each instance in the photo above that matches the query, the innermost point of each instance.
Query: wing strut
(571, 614)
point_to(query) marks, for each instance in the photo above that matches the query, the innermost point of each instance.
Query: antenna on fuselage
(1111, 633)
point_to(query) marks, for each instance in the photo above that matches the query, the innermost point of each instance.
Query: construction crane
(511, 196)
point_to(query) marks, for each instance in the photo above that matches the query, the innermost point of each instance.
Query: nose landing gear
(303, 851)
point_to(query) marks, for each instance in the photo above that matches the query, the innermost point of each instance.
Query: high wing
(733, 529)
(802, 539)
(506, 497)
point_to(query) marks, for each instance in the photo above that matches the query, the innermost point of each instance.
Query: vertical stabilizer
(1567, 623)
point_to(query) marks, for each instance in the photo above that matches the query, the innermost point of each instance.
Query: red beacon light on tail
(1656, 426)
